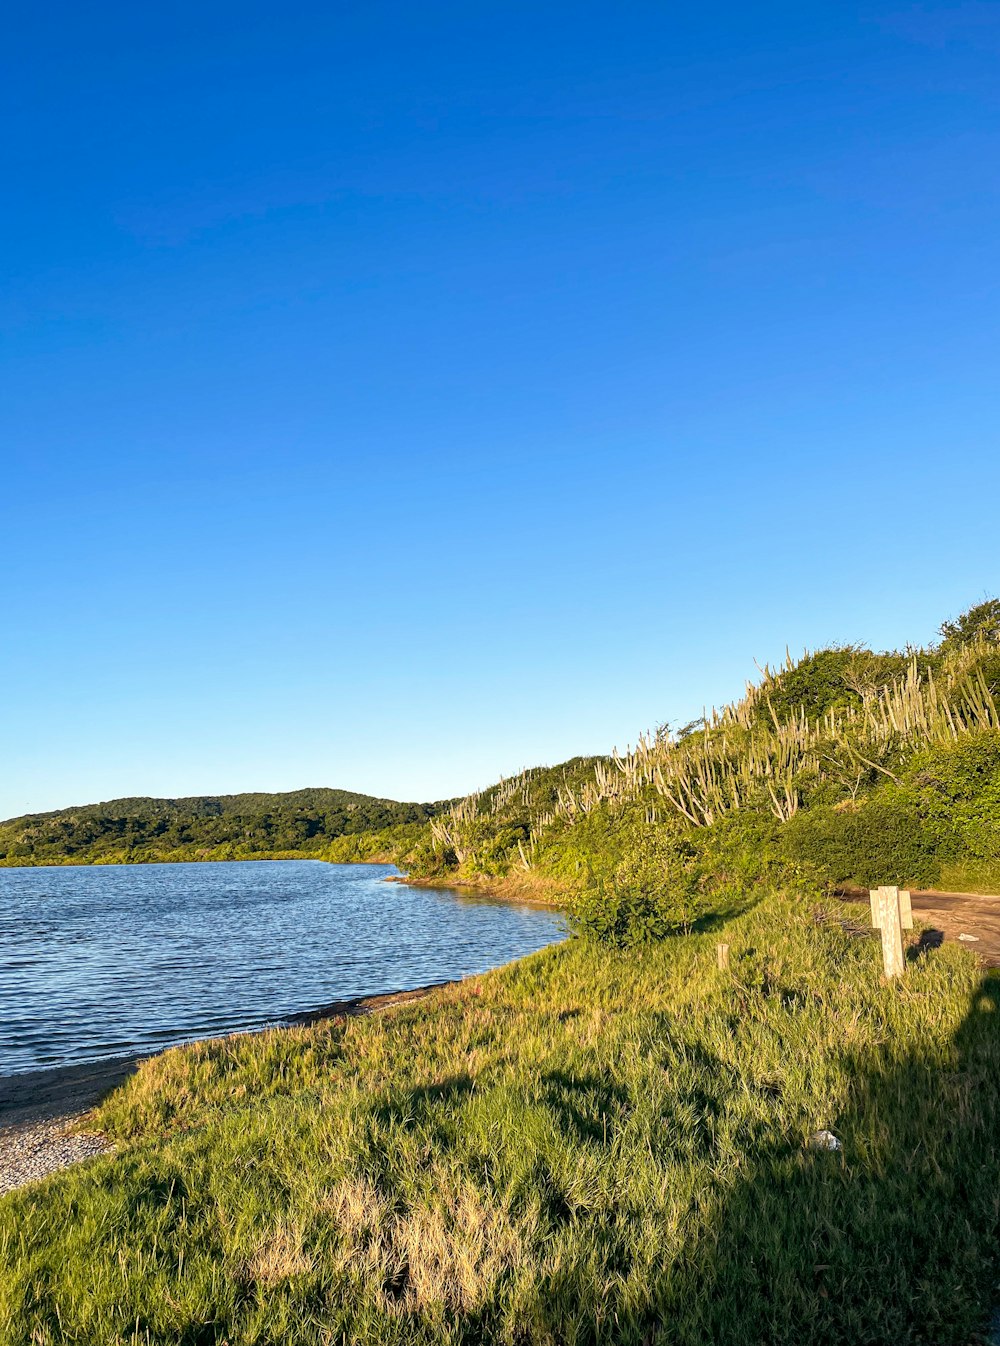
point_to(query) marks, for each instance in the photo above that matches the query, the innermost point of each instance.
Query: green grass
(588, 1146)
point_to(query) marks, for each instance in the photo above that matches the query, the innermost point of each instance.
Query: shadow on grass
(423, 1103)
(586, 1107)
(893, 1238)
(928, 941)
(711, 921)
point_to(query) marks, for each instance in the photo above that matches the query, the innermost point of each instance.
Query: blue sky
(396, 395)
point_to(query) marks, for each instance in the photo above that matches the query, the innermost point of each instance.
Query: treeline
(847, 766)
(224, 827)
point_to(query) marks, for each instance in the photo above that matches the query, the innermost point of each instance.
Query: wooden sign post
(722, 953)
(891, 913)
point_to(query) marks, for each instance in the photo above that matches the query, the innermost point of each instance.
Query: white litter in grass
(824, 1140)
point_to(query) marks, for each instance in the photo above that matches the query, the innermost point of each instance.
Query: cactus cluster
(749, 755)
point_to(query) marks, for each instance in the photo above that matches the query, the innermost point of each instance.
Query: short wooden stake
(723, 952)
(886, 917)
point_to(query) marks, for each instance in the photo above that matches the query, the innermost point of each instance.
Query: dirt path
(951, 915)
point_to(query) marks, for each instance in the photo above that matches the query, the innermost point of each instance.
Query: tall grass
(588, 1146)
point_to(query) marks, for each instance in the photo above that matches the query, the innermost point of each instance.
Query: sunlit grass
(588, 1146)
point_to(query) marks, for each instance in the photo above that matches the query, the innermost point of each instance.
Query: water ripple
(106, 960)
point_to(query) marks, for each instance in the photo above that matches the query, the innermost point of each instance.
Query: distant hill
(220, 827)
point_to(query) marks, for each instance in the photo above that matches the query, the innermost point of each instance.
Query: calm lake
(109, 960)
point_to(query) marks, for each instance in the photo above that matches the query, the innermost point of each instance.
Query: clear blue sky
(394, 395)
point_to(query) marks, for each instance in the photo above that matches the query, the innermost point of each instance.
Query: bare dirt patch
(951, 915)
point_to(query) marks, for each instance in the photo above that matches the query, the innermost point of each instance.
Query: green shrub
(741, 846)
(959, 791)
(979, 622)
(498, 849)
(830, 679)
(652, 893)
(884, 839)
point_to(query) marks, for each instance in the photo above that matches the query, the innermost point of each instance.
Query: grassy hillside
(847, 766)
(589, 1146)
(223, 827)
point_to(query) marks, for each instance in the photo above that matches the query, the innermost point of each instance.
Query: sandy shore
(42, 1118)
(43, 1113)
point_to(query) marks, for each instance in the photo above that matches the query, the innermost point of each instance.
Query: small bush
(653, 893)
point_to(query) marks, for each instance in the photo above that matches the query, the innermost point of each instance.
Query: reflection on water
(107, 960)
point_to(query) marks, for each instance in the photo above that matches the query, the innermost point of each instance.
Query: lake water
(101, 961)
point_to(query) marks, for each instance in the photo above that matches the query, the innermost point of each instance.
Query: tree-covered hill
(220, 827)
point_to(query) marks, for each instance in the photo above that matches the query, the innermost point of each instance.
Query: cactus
(744, 754)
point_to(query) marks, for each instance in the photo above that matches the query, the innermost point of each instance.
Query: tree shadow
(892, 1237)
(413, 1105)
(710, 921)
(585, 1107)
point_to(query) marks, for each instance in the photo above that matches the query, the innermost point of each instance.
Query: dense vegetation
(589, 1146)
(226, 827)
(846, 767)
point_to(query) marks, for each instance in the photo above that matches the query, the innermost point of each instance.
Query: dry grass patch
(279, 1257)
(457, 1248)
(447, 1251)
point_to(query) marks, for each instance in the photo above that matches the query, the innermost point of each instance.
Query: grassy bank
(537, 889)
(587, 1146)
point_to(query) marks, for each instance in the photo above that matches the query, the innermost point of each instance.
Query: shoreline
(538, 892)
(24, 862)
(44, 1113)
(500, 887)
(51, 1092)
(518, 887)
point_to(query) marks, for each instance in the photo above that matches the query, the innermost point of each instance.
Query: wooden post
(723, 953)
(905, 909)
(886, 903)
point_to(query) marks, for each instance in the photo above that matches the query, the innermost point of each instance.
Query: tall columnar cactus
(747, 754)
